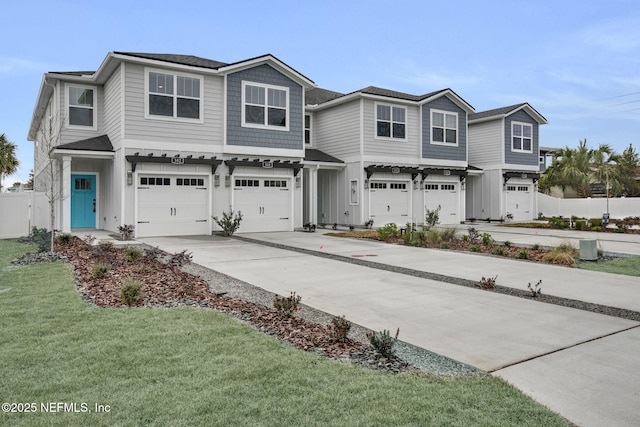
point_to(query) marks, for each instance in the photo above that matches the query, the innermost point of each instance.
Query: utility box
(588, 250)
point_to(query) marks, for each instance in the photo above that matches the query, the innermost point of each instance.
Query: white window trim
(175, 75)
(310, 143)
(265, 126)
(68, 105)
(516, 150)
(375, 122)
(446, 144)
(353, 184)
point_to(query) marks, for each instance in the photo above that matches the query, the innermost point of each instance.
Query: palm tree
(8, 161)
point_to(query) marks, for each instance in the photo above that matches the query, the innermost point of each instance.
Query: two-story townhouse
(165, 142)
(504, 143)
(395, 156)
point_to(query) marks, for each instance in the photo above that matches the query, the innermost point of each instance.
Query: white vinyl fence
(19, 212)
(619, 207)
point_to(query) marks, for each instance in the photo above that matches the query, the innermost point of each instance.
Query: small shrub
(432, 218)
(433, 237)
(132, 253)
(507, 244)
(486, 238)
(474, 248)
(340, 329)
(88, 239)
(523, 254)
(229, 222)
(444, 245)
(64, 238)
(419, 237)
(536, 247)
(499, 251)
(535, 290)
(40, 237)
(287, 306)
(383, 343)
(100, 269)
(408, 235)
(596, 222)
(465, 238)
(131, 292)
(155, 254)
(487, 282)
(564, 254)
(105, 245)
(179, 259)
(448, 234)
(389, 230)
(473, 234)
(126, 231)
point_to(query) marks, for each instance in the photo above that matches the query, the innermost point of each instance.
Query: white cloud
(620, 35)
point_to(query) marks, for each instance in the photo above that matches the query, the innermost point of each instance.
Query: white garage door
(446, 196)
(390, 202)
(172, 205)
(519, 202)
(265, 204)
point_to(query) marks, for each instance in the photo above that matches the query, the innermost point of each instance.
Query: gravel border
(416, 357)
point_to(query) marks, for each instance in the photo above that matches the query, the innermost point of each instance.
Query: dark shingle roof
(99, 143)
(190, 60)
(313, 155)
(318, 95)
(496, 112)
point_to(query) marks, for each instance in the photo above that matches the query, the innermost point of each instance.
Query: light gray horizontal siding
(74, 134)
(113, 108)
(336, 131)
(441, 151)
(409, 147)
(139, 127)
(252, 137)
(485, 143)
(517, 158)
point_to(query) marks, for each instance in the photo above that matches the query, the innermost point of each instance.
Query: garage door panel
(172, 205)
(446, 196)
(389, 201)
(519, 202)
(265, 204)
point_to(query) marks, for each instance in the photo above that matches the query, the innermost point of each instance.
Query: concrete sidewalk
(567, 349)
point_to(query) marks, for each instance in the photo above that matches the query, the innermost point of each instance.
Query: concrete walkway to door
(582, 365)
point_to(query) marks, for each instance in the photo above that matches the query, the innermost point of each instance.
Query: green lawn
(628, 266)
(198, 367)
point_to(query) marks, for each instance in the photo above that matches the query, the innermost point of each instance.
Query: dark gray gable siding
(238, 135)
(437, 151)
(511, 157)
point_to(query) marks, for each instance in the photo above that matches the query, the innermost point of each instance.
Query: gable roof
(323, 96)
(498, 113)
(190, 60)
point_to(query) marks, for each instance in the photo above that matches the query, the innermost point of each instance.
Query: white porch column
(66, 194)
(313, 195)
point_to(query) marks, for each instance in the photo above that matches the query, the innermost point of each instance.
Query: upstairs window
(174, 96)
(390, 121)
(307, 129)
(82, 106)
(444, 127)
(521, 137)
(265, 106)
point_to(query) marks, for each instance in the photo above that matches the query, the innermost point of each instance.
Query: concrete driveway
(583, 365)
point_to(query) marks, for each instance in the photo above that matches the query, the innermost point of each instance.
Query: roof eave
(273, 61)
(456, 99)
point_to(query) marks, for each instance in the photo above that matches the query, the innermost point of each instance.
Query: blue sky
(576, 62)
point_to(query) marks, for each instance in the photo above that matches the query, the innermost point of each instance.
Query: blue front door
(83, 201)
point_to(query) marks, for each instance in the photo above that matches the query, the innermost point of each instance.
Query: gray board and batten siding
(443, 151)
(520, 158)
(268, 138)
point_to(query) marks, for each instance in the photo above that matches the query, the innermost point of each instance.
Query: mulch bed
(169, 286)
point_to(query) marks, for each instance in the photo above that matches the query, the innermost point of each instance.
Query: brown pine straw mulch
(164, 285)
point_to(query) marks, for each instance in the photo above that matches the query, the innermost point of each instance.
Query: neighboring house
(393, 156)
(165, 142)
(546, 157)
(504, 143)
